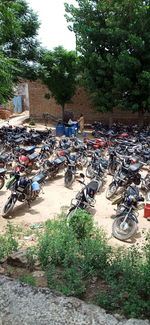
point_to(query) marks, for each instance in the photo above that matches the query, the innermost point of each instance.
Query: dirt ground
(55, 198)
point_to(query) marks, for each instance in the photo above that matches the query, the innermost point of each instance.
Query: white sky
(53, 31)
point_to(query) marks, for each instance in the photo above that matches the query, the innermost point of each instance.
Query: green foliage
(8, 243)
(58, 244)
(19, 48)
(32, 122)
(29, 279)
(81, 224)
(71, 261)
(58, 72)
(31, 255)
(113, 45)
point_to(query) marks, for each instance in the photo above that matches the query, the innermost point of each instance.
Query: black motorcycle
(22, 189)
(124, 177)
(84, 198)
(53, 167)
(125, 222)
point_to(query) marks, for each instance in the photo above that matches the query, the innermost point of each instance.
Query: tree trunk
(63, 111)
(141, 117)
(110, 122)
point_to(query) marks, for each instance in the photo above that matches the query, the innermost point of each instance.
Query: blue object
(35, 186)
(68, 131)
(59, 130)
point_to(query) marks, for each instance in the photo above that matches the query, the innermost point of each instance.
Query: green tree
(7, 69)
(19, 48)
(59, 72)
(113, 41)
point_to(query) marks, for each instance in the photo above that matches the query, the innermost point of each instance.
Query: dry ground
(56, 198)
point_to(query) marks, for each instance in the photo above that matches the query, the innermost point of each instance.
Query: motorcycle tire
(71, 214)
(69, 178)
(123, 234)
(8, 207)
(2, 182)
(112, 188)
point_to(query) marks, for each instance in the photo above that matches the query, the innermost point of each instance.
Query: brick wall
(80, 104)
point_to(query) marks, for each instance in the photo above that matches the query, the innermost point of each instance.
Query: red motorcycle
(94, 144)
(28, 163)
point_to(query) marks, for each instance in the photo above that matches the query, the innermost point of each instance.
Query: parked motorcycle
(2, 177)
(84, 198)
(125, 222)
(53, 167)
(22, 189)
(124, 177)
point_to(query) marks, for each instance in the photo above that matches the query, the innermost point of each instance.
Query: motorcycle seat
(33, 156)
(134, 167)
(39, 177)
(59, 161)
(2, 171)
(30, 150)
(93, 185)
(4, 156)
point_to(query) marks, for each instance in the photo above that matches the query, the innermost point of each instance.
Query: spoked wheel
(2, 181)
(123, 229)
(8, 207)
(68, 180)
(111, 190)
(71, 214)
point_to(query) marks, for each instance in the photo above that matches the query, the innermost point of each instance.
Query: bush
(58, 245)
(8, 243)
(81, 224)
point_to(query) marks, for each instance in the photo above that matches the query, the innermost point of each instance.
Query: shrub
(81, 223)
(8, 243)
(58, 244)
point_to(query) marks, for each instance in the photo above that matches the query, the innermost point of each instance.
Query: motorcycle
(22, 189)
(2, 177)
(125, 222)
(84, 198)
(124, 177)
(53, 167)
(28, 163)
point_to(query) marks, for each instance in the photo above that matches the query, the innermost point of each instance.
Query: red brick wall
(80, 104)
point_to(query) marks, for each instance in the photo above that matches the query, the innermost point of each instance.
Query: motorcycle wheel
(8, 207)
(71, 214)
(112, 188)
(89, 172)
(69, 178)
(122, 230)
(2, 181)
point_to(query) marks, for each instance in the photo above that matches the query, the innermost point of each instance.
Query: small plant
(31, 255)
(8, 243)
(32, 122)
(29, 279)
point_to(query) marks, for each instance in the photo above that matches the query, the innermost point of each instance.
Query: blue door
(17, 101)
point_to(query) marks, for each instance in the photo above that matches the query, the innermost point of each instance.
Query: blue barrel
(59, 130)
(68, 131)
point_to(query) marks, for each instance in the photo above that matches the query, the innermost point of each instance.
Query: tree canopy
(59, 72)
(18, 43)
(113, 42)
